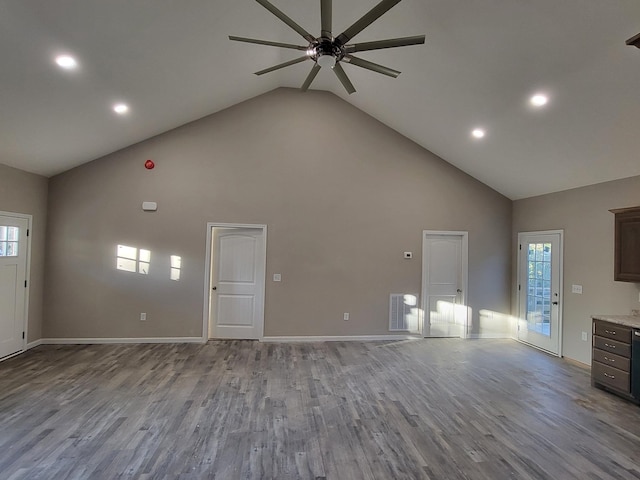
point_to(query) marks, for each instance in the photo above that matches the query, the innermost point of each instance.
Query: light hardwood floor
(425, 409)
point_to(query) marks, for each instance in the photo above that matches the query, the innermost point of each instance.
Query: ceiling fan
(329, 51)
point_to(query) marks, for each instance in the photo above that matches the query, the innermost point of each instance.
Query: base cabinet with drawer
(612, 358)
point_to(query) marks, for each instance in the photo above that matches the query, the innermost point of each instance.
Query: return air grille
(403, 312)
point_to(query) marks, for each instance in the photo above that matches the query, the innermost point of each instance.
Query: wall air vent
(403, 312)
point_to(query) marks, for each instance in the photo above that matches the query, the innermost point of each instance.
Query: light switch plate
(277, 277)
(408, 254)
(576, 289)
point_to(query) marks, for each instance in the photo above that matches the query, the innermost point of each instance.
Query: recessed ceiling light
(121, 108)
(539, 100)
(478, 133)
(66, 61)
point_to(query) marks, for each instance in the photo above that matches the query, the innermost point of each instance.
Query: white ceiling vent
(403, 312)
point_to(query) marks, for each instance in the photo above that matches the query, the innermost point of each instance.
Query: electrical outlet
(277, 277)
(576, 289)
(408, 255)
(345, 317)
(585, 336)
(143, 317)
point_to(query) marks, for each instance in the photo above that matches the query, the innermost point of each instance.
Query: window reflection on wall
(176, 265)
(132, 259)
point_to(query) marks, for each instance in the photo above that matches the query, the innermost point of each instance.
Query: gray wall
(588, 226)
(26, 193)
(343, 197)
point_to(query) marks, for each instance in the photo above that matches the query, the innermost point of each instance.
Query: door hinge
(25, 284)
(23, 335)
(520, 246)
(27, 232)
(519, 287)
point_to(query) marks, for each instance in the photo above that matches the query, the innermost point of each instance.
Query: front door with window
(13, 276)
(540, 289)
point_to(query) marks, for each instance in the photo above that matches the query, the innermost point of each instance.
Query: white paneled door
(444, 273)
(540, 289)
(13, 277)
(237, 283)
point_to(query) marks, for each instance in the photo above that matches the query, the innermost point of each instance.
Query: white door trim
(29, 219)
(207, 273)
(465, 271)
(560, 233)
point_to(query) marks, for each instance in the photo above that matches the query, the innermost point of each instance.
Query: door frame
(208, 273)
(25, 326)
(465, 273)
(560, 233)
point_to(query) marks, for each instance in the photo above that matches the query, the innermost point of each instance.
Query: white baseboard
(346, 338)
(89, 341)
(33, 344)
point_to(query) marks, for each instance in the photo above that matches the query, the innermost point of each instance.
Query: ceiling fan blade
(312, 75)
(306, 35)
(325, 13)
(282, 65)
(342, 76)
(267, 42)
(374, 67)
(390, 43)
(634, 41)
(375, 13)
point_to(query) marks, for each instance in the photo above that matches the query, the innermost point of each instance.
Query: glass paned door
(539, 288)
(13, 276)
(540, 262)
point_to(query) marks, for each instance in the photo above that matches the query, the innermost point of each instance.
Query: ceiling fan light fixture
(326, 61)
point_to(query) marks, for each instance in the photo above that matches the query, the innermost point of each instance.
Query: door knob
(214, 288)
(459, 291)
(555, 303)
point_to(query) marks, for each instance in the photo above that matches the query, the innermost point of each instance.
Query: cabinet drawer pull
(613, 377)
(611, 332)
(610, 346)
(612, 360)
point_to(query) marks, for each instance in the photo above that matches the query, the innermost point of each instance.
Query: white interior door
(13, 276)
(237, 283)
(539, 289)
(444, 267)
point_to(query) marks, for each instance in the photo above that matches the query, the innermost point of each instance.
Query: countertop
(632, 321)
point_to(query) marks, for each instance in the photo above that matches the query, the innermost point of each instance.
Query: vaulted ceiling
(171, 62)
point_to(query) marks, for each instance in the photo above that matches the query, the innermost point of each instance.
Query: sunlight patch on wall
(132, 259)
(176, 265)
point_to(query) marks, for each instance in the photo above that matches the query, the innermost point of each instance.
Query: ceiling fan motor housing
(325, 52)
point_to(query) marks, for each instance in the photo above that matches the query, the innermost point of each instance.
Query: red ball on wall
(149, 164)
